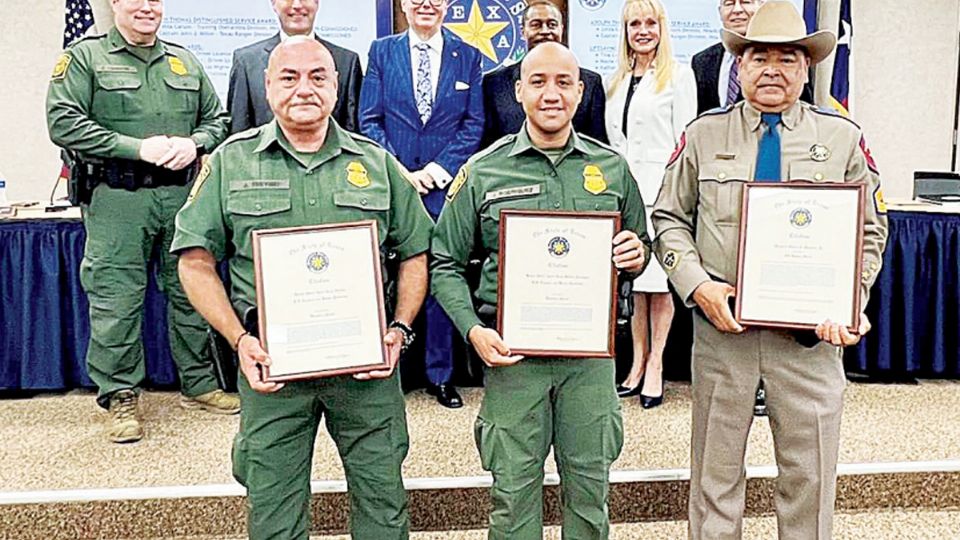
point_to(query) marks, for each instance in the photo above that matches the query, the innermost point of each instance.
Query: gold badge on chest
(176, 66)
(357, 175)
(593, 180)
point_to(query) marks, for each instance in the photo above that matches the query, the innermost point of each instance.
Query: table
(44, 329)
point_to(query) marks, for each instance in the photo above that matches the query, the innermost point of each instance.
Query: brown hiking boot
(123, 425)
(216, 402)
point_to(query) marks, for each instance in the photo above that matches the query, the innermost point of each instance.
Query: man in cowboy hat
(769, 137)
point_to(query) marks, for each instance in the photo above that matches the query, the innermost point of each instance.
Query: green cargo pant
(570, 404)
(273, 452)
(125, 229)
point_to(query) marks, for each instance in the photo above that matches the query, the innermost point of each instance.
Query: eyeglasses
(434, 3)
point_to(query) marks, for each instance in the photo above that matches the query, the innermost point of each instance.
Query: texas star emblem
(801, 218)
(490, 26)
(558, 246)
(317, 262)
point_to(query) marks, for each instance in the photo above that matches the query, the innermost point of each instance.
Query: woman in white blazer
(650, 100)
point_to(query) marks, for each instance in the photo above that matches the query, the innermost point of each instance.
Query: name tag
(110, 68)
(522, 191)
(245, 185)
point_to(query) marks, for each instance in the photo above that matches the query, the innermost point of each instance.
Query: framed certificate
(320, 300)
(557, 284)
(801, 247)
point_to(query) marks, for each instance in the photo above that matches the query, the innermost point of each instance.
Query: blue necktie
(424, 94)
(768, 157)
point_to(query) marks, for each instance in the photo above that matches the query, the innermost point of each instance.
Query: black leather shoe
(760, 403)
(626, 391)
(446, 395)
(648, 402)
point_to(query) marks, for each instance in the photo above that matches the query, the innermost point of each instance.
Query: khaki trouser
(804, 400)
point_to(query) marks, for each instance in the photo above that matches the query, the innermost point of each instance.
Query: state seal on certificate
(801, 250)
(557, 282)
(320, 300)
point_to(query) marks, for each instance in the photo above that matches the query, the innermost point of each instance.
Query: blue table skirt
(44, 323)
(914, 306)
(915, 303)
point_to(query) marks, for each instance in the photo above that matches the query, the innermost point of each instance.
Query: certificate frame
(609, 290)
(811, 190)
(268, 271)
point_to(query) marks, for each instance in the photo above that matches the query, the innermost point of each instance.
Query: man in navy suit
(542, 23)
(421, 100)
(247, 94)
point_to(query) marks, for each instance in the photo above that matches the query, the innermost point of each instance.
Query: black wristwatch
(408, 335)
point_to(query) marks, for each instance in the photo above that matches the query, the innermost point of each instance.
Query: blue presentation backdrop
(594, 29)
(213, 29)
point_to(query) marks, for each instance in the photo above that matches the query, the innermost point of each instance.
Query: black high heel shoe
(626, 391)
(648, 402)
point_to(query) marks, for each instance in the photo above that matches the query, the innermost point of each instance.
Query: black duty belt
(132, 175)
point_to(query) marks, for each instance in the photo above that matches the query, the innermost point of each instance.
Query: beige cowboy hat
(778, 22)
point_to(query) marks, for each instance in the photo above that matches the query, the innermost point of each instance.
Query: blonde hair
(663, 63)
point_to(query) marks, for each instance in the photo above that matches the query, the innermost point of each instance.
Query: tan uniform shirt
(697, 213)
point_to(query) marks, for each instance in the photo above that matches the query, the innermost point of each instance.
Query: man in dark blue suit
(542, 23)
(421, 100)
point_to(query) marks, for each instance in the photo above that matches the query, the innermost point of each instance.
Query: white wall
(904, 87)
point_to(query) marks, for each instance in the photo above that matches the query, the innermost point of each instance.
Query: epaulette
(601, 144)
(86, 38)
(718, 110)
(831, 112)
(361, 138)
(711, 112)
(243, 135)
(172, 44)
(496, 145)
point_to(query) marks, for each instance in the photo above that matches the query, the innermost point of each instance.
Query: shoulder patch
(457, 183)
(678, 151)
(871, 164)
(878, 201)
(198, 183)
(60, 68)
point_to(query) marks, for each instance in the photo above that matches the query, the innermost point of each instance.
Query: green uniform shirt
(106, 95)
(256, 180)
(514, 174)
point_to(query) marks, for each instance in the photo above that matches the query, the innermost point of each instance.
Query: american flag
(78, 19)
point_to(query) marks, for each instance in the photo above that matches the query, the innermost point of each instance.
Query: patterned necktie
(424, 85)
(768, 156)
(733, 85)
